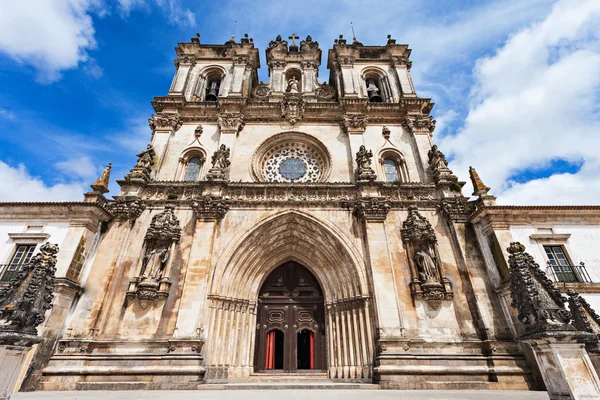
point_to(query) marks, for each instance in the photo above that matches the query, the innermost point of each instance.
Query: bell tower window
(374, 90)
(213, 84)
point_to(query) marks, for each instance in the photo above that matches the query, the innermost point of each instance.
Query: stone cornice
(321, 111)
(531, 215)
(71, 211)
(250, 194)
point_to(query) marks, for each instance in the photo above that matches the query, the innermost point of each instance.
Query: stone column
(355, 125)
(184, 65)
(421, 128)
(402, 67)
(566, 369)
(230, 125)
(373, 213)
(13, 354)
(163, 127)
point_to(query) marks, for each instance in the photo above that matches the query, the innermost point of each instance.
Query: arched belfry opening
(291, 322)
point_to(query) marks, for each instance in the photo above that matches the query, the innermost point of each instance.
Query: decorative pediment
(164, 226)
(416, 228)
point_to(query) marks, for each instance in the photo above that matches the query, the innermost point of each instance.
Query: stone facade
(242, 177)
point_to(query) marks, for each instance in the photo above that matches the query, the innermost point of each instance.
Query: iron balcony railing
(568, 273)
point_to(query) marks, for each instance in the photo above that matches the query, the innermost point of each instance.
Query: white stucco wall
(56, 230)
(582, 245)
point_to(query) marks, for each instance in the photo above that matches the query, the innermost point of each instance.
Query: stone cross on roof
(294, 38)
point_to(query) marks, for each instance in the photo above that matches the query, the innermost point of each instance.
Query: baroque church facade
(291, 227)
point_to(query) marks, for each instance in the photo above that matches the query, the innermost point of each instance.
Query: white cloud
(80, 167)
(52, 36)
(534, 102)
(5, 114)
(174, 10)
(18, 185)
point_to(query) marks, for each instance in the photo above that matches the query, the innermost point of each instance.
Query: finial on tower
(353, 34)
(233, 35)
(479, 189)
(101, 184)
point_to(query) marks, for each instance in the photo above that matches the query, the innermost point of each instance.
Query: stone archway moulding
(240, 271)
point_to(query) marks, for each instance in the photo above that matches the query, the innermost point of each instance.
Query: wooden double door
(291, 322)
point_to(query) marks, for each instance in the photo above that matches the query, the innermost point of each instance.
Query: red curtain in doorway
(270, 364)
(312, 350)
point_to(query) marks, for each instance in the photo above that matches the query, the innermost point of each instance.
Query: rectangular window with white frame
(22, 255)
(561, 268)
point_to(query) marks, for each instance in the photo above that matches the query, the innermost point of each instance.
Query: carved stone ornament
(439, 166)
(363, 161)
(231, 122)
(261, 92)
(24, 302)
(373, 209)
(428, 282)
(385, 132)
(585, 319)
(325, 92)
(401, 61)
(165, 121)
(127, 207)
(220, 163)
(164, 226)
(416, 228)
(540, 305)
(185, 59)
(143, 167)
(354, 124)
(210, 208)
(419, 123)
(292, 108)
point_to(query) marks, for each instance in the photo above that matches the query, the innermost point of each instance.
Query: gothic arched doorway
(291, 322)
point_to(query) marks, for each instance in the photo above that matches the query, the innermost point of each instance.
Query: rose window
(291, 157)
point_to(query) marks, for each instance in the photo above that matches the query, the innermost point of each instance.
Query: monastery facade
(293, 227)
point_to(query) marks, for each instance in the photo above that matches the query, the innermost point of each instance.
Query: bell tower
(208, 72)
(292, 69)
(380, 74)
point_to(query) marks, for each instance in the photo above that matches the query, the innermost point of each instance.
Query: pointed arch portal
(319, 252)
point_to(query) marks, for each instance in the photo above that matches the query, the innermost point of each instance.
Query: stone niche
(152, 281)
(428, 282)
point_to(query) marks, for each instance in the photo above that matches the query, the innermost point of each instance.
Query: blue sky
(516, 83)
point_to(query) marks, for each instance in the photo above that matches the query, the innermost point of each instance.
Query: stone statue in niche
(363, 161)
(426, 264)
(154, 264)
(292, 85)
(153, 280)
(428, 282)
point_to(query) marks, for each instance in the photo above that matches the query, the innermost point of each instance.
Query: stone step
(306, 385)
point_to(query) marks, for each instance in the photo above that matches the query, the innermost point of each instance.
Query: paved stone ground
(287, 395)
